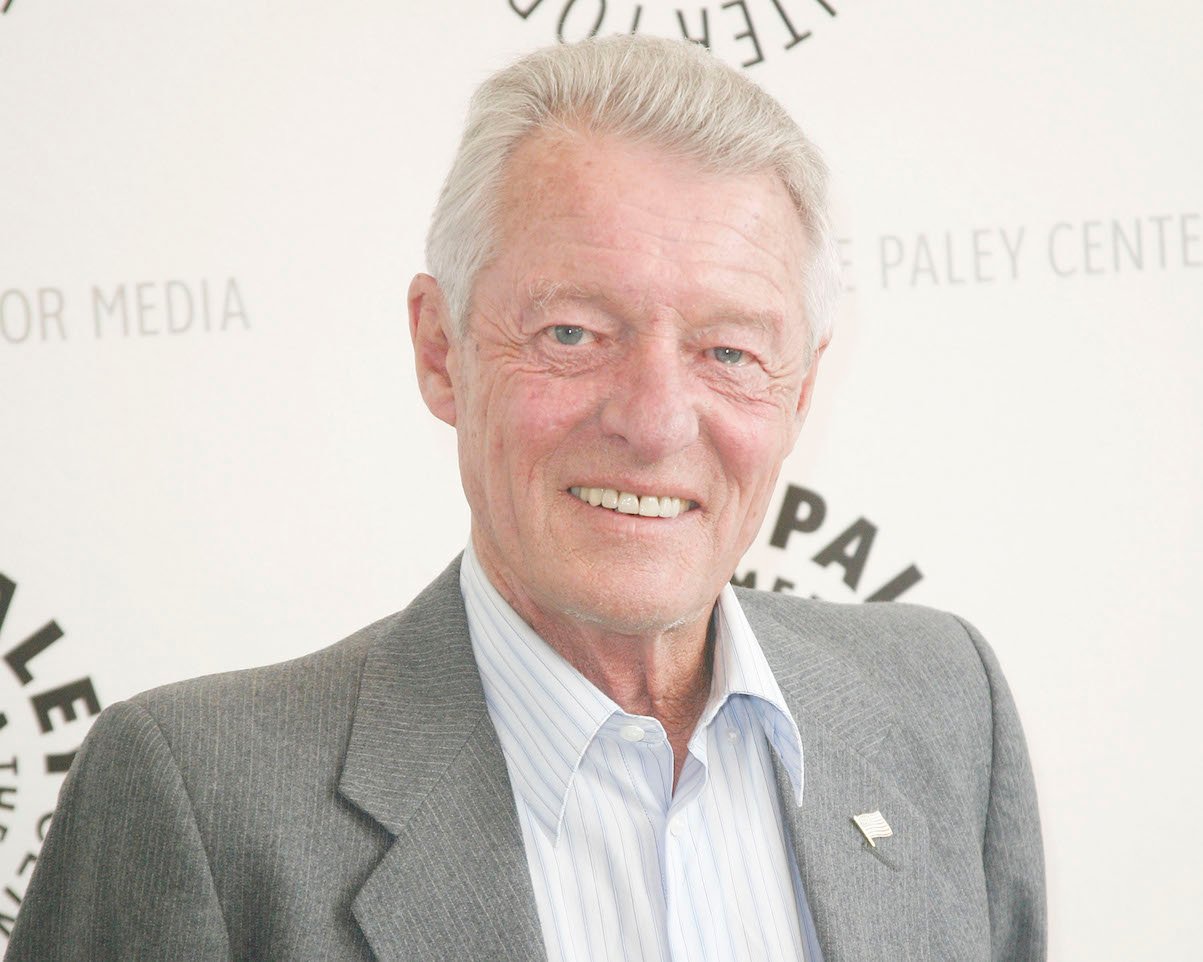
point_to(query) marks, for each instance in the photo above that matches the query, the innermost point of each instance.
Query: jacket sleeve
(1012, 852)
(123, 872)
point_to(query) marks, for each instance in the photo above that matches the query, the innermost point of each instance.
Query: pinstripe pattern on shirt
(622, 866)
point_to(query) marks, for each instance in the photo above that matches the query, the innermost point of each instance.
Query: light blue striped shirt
(622, 867)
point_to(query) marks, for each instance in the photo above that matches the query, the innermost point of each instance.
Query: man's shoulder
(929, 669)
(277, 730)
(330, 674)
(869, 632)
(326, 679)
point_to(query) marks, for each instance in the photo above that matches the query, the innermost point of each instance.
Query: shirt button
(732, 735)
(676, 827)
(632, 733)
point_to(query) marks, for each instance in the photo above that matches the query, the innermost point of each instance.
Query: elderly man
(580, 742)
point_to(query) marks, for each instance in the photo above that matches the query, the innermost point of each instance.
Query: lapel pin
(872, 826)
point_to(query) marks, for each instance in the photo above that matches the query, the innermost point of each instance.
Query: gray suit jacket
(354, 804)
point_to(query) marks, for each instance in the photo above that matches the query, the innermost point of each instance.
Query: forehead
(631, 221)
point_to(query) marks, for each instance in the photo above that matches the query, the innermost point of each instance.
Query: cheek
(529, 419)
(751, 450)
(538, 410)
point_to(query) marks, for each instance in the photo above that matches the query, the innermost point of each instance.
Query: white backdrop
(214, 455)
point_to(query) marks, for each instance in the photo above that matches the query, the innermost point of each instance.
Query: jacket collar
(454, 884)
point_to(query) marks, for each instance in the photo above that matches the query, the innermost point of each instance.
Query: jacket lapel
(868, 903)
(424, 761)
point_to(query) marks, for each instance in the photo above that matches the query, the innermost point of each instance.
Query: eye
(727, 355)
(569, 334)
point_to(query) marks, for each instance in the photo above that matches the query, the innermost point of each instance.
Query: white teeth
(625, 502)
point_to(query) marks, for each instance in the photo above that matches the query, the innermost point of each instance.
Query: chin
(628, 614)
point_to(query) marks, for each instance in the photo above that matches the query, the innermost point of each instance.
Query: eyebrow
(544, 294)
(768, 320)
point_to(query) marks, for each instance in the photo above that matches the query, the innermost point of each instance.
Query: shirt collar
(740, 669)
(547, 713)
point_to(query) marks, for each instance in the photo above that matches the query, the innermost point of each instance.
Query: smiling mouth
(627, 502)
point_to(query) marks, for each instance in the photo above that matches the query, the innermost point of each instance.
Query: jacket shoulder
(232, 691)
(880, 640)
(330, 674)
(297, 712)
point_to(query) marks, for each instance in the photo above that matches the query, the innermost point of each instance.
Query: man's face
(641, 331)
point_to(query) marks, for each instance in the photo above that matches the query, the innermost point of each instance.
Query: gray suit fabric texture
(354, 803)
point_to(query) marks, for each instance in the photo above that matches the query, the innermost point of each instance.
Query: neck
(664, 673)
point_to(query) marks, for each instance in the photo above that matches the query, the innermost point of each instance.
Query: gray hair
(673, 95)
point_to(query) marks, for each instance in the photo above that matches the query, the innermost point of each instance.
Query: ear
(434, 346)
(807, 390)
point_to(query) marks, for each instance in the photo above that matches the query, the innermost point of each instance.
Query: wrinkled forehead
(589, 218)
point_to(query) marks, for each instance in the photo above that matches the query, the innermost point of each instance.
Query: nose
(651, 405)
